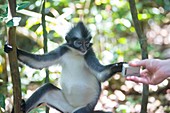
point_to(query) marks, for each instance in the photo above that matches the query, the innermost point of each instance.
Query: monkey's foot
(23, 105)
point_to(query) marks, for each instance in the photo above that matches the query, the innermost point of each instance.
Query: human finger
(144, 73)
(138, 63)
(138, 79)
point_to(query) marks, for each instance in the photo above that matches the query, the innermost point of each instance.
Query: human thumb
(137, 63)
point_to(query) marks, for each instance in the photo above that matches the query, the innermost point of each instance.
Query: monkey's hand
(22, 106)
(117, 67)
(7, 48)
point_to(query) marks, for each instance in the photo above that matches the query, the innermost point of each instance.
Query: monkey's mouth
(83, 52)
(85, 49)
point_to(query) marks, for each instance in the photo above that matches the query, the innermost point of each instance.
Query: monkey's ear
(91, 44)
(89, 37)
(66, 38)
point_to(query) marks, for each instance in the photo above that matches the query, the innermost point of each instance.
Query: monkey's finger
(23, 105)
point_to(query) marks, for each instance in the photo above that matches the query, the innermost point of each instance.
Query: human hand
(154, 73)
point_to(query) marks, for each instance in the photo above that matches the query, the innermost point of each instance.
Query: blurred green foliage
(2, 101)
(110, 24)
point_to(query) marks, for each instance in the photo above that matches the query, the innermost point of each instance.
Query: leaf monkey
(81, 77)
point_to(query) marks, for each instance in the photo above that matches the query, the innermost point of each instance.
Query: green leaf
(4, 7)
(122, 109)
(3, 16)
(38, 110)
(2, 101)
(10, 23)
(160, 2)
(23, 5)
(13, 22)
(122, 40)
(1, 19)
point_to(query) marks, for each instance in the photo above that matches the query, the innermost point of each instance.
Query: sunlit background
(114, 38)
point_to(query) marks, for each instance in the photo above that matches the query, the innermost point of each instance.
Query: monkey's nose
(83, 48)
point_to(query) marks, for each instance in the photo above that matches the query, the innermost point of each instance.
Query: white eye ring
(77, 43)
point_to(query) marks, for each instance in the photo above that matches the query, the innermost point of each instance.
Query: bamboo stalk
(45, 42)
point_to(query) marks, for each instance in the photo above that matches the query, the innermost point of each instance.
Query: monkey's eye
(87, 43)
(77, 43)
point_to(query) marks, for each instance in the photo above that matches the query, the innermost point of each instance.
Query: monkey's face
(82, 45)
(79, 38)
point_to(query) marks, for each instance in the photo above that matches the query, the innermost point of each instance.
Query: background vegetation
(114, 39)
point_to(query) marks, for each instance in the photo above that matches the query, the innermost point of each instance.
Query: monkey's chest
(79, 85)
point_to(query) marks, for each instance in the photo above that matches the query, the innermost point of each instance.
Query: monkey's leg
(86, 110)
(50, 95)
(89, 108)
(101, 112)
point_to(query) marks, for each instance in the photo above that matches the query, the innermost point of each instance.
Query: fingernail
(133, 62)
(127, 78)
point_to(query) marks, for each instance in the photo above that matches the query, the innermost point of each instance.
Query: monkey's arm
(102, 72)
(39, 61)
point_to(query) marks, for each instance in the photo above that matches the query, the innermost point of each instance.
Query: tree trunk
(13, 59)
(144, 52)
